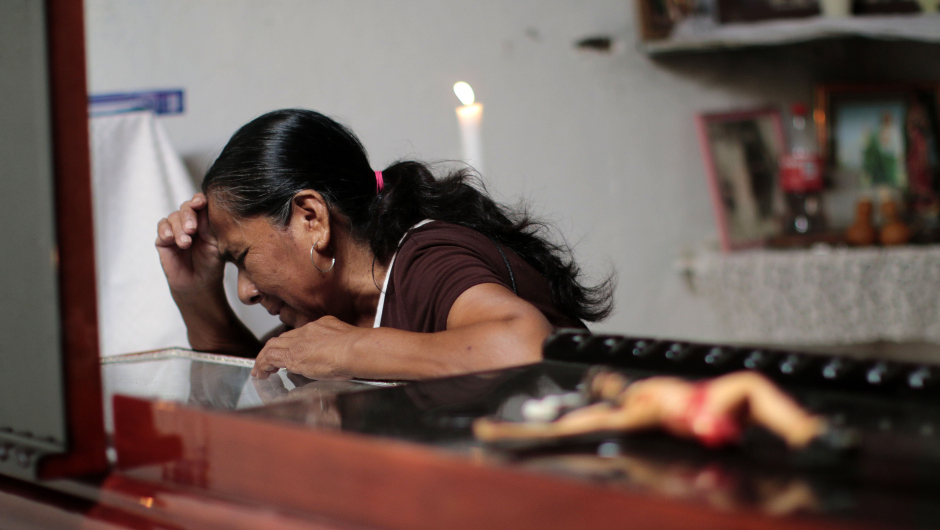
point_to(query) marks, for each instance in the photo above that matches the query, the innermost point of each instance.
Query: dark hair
(281, 153)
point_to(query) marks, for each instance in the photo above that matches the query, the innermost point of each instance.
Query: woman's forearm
(386, 353)
(494, 330)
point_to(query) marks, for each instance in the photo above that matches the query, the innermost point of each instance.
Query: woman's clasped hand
(315, 348)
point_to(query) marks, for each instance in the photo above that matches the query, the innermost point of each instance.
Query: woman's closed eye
(238, 260)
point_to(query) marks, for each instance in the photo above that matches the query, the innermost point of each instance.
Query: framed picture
(655, 19)
(884, 136)
(740, 150)
(658, 17)
(754, 10)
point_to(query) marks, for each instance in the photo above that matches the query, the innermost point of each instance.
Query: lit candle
(470, 116)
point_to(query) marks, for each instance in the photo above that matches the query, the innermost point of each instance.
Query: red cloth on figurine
(720, 429)
(711, 430)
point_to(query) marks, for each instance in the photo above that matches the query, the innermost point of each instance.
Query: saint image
(869, 141)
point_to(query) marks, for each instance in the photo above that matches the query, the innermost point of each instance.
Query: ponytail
(281, 153)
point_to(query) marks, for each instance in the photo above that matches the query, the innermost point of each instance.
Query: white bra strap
(388, 274)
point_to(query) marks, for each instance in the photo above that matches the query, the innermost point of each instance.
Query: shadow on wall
(197, 164)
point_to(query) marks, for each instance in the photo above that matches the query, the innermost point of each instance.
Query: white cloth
(841, 296)
(137, 179)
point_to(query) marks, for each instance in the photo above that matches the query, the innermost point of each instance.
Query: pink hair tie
(379, 183)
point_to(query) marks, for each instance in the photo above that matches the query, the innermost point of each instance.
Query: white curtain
(137, 179)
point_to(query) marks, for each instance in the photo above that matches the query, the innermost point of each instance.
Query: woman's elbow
(525, 338)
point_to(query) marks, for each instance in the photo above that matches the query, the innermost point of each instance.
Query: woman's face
(274, 267)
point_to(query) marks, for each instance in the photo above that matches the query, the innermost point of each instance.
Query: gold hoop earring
(332, 263)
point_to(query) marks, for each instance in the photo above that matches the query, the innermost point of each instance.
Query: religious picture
(869, 141)
(741, 151)
(922, 156)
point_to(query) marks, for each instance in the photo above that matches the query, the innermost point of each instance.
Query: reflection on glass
(217, 382)
(712, 484)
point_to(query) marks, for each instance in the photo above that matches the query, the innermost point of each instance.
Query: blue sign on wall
(156, 101)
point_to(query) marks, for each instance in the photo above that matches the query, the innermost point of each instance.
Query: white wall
(602, 144)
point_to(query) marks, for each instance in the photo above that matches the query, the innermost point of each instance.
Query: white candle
(470, 117)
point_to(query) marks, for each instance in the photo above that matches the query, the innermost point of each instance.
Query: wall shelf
(701, 35)
(822, 296)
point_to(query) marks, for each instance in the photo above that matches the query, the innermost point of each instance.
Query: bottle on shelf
(801, 178)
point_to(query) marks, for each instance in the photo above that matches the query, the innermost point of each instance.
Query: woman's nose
(247, 292)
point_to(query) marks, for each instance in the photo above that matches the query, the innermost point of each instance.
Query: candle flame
(464, 92)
